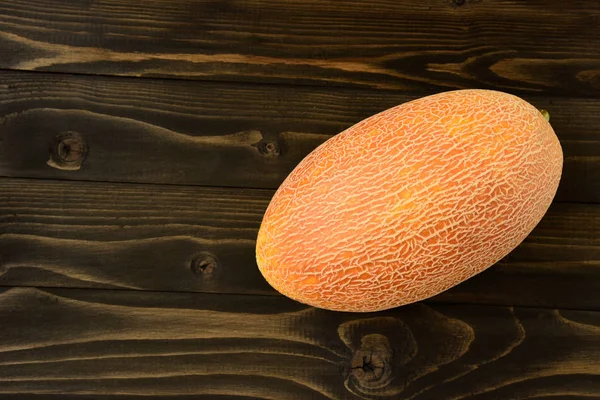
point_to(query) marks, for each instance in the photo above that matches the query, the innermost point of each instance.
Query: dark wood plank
(165, 131)
(169, 238)
(130, 236)
(119, 396)
(137, 345)
(113, 396)
(541, 46)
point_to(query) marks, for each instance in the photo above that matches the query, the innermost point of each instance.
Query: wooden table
(140, 143)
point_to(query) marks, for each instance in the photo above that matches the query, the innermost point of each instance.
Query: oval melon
(410, 202)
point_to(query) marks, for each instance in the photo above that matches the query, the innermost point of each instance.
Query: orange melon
(410, 202)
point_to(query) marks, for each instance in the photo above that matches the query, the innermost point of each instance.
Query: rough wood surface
(200, 133)
(298, 73)
(544, 46)
(129, 236)
(169, 238)
(130, 344)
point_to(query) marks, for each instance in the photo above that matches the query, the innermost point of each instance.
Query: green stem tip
(546, 115)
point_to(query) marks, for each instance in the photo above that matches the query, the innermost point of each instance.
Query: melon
(410, 202)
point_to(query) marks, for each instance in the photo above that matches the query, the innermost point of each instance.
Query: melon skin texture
(410, 202)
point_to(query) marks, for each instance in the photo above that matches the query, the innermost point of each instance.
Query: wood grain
(541, 46)
(200, 133)
(127, 344)
(130, 236)
(169, 238)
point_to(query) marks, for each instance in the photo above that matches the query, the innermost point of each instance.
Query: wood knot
(269, 148)
(372, 362)
(368, 366)
(68, 151)
(204, 264)
(376, 366)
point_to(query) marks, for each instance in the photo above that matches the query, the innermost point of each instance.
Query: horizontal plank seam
(321, 86)
(277, 295)
(192, 186)
(216, 81)
(151, 184)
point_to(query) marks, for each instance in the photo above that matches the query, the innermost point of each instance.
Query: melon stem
(546, 115)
